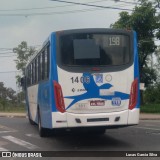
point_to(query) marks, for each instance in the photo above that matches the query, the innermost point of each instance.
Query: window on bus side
(43, 65)
(39, 67)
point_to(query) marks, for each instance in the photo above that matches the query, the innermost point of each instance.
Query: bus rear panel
(84, 78)
(97, 79)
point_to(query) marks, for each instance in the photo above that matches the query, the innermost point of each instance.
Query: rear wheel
(42, 131)
(29, 118)
(98, 131)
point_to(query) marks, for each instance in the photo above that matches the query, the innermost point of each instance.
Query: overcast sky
(18, 23)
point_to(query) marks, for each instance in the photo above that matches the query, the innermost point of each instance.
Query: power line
(91, 5)
(28, 9)
(7, 53)
(64, 12)
(134, 3)
(39, 8)
(61, 6)
(52, 13)
(16, 47)
(9, 56)
(9, 71)
(71, 11)
(5, 49)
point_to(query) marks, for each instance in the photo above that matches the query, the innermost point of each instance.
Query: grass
(150, 108)
(10, 108)
(13, 109)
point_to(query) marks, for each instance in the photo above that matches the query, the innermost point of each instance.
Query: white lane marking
(33, 135)
(3, 149)
(7, 128)
(154, 129)
(156, 133)
(6, 131)
(20, 142)
(150, 125)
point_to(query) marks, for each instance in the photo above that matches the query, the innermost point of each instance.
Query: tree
(24, 52)
(152, 94)
(3, 91)
(146, 23)
(6, 95)
(157, 65)
(11, 94)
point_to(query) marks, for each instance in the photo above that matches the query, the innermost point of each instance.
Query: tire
(42, 131)
(98, 131)
(29, 118)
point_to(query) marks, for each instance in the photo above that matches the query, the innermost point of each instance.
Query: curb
(149, 116)
(11, 115)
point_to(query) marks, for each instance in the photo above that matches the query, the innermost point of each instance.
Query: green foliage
(149, 76)
(24, 52)
(145, 22)
(150, 108)
(9, 107)
(123, 22)
(157, 64)
(152, 94)
(9, 100)
(6, 93)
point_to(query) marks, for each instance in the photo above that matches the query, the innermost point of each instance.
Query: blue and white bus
(84, 78)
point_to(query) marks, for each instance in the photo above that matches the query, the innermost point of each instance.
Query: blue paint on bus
(136, 68)
(93, 91)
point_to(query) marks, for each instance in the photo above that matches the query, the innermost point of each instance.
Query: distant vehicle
(84, 78)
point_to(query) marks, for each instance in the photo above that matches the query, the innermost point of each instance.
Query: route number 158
(114, 41)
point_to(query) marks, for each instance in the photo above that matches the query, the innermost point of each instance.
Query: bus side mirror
(23, 82)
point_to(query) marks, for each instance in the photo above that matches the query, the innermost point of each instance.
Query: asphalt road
(16, 134)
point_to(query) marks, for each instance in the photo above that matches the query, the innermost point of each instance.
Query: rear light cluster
(133, 94)
(58, 97)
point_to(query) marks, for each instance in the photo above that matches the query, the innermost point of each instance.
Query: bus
(84, 78)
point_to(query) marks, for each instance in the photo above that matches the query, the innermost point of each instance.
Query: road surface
(16, 134)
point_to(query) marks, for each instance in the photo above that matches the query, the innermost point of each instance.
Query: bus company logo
(97, 103)
(73, 90)
(116, 101)
(108, 78)
(99, 78)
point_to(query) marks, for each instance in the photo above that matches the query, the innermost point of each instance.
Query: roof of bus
(89, 30)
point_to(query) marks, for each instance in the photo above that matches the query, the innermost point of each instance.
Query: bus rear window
(94, 49)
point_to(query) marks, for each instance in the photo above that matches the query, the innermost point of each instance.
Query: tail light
(133, 94)
(58, 97)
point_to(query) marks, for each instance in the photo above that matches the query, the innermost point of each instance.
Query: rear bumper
(69, 120)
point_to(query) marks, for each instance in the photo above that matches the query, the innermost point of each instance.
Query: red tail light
(133, 94)
(58, 97)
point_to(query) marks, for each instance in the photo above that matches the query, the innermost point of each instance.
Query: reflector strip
(133, 94)
(58, 97)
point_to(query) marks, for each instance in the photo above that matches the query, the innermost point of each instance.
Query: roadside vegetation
(145, 20)
(10, 101)
(150, 108)
(151, 97)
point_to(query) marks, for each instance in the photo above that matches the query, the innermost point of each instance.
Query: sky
(33, 20)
